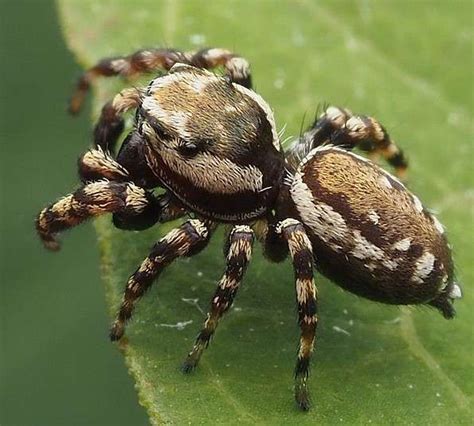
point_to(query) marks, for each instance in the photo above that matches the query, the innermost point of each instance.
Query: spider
(210, 143)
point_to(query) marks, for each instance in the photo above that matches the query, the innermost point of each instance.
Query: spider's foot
(77, 99)
(302, 394)
(188, 366)
(43, 228)
(191, 362)
(51, 244)
(193, 358)
(74, 106)
(117, 331)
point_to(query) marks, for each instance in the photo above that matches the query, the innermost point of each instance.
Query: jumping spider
(211, 144)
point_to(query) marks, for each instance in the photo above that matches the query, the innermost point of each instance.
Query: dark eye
(188, 149)
(153, 122)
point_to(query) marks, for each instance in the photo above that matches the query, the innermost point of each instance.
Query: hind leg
(338, 126)
(301, 252)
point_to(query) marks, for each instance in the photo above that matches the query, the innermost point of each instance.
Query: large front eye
(157, 127)
(188, 149)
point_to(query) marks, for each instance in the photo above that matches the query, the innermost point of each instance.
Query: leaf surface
(402, 62)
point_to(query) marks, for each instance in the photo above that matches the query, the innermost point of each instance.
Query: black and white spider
(211, 144)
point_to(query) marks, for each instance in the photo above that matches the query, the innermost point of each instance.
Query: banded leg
(97, 164)
(163, 208)
(238, 256)
(236, 67)
(90, 200)
(274, 248)
(110, 125)
(130, 165)
(140, 62)
(340, 127)
(306, 295)
(153, 60)
(187, 240)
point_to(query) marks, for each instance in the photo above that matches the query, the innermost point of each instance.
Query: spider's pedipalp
(187, 240)
(97, 164)
(306, 296)
(238, 256)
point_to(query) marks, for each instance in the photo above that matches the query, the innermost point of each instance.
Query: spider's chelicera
(211, 144)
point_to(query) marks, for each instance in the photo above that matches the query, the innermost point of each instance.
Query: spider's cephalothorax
(211, 144)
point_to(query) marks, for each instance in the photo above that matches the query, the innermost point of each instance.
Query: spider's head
(211, 142)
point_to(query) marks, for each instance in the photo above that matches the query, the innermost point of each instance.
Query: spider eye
(188, 149)
(153, 122)
(158, 129)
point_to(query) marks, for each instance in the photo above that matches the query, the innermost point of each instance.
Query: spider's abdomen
(370, 235)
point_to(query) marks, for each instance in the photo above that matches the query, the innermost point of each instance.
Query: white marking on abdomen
(374, 217)
(423, 267)
(402, 245)
(455, 292)
(331, 227)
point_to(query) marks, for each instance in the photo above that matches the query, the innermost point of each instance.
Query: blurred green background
(405, 62)
(57, 365)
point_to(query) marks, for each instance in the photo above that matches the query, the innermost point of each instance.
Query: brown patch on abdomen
(370, 234)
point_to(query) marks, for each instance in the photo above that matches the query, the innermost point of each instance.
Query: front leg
(110, 125)
(187, 240)
(140, 62)
(93, 199)
(97, 164)
(301, 253)
(155, 60)
(238, 256)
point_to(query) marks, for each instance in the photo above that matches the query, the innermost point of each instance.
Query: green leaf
(407, 63)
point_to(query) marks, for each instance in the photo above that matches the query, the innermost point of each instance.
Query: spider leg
(153, 60)
(97, 164)
(238, 256)
(140, 62)
(129, 165)
(301, 253)
(93, 199)
(111, 123)
(236, 67)
(187, 240)
(163, 208)
(339, 126)
(274, 248)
